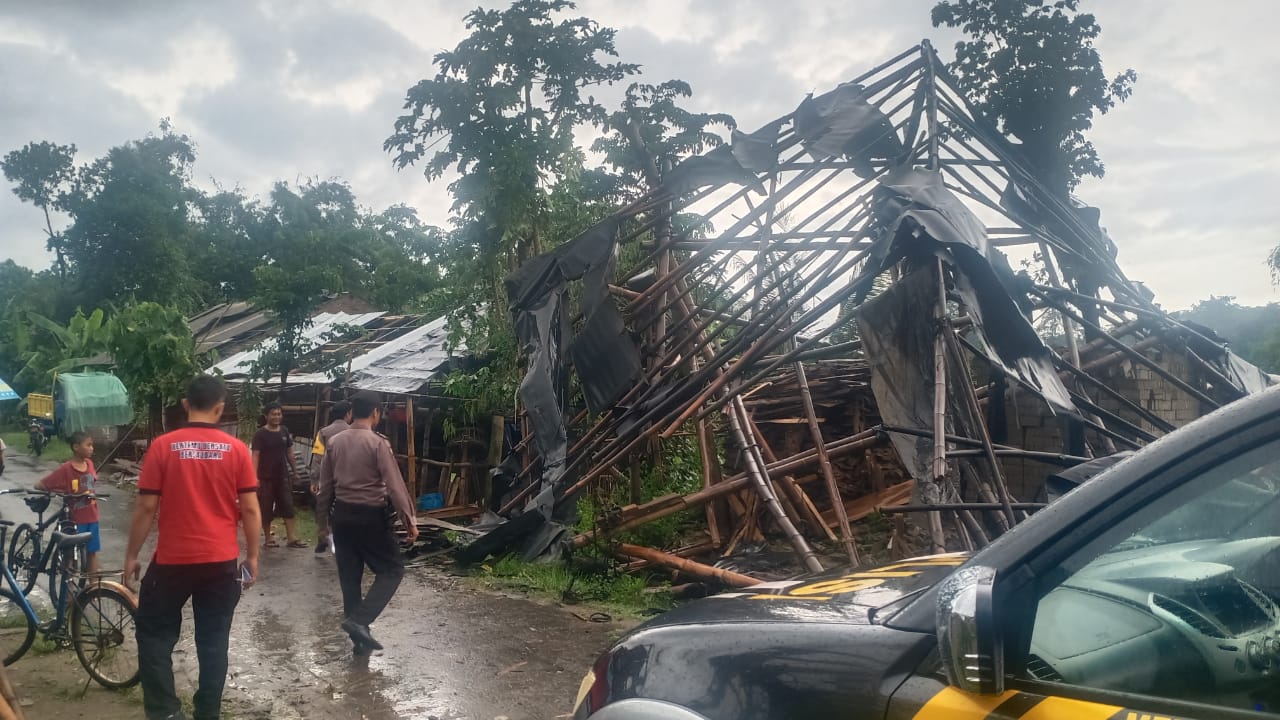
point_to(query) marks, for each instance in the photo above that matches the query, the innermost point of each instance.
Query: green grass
(305, 522)
(56, 451)
(618, 593)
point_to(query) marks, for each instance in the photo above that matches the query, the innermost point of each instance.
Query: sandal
(298, 544)
(272, 543)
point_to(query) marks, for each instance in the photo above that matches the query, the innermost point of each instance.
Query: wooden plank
(859, 508)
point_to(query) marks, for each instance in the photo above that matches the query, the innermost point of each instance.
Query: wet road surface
(452, 651)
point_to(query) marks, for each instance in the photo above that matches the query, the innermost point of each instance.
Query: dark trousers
(214, 591)
(362, 536)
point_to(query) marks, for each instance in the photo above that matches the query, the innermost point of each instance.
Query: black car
(1152, 591)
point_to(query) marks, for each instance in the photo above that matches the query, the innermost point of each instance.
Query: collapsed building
(869, 304)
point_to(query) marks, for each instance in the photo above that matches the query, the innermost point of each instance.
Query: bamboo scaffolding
(732, 308)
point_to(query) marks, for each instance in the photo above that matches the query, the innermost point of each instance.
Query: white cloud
(272, 89)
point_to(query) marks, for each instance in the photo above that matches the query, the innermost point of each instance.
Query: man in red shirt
(201, 481)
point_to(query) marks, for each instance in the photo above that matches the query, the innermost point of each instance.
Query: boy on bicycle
(78, 477)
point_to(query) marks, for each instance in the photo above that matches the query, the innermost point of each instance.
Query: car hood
(839, 595)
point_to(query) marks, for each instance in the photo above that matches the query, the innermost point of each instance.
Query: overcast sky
(287, 90)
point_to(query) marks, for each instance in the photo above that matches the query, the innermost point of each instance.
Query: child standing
(78, 477)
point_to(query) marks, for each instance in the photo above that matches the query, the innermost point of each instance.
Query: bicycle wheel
(102, 631)
(24, 554)
(17, 628)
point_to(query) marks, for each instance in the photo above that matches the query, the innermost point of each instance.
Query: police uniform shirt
(360, 469)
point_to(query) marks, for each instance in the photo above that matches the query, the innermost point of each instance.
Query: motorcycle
(36, 439)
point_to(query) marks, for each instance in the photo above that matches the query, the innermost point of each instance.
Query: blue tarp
(6, 392)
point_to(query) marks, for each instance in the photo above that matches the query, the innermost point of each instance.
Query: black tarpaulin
(605, 358)
(842, 122)
(541, 331)
(718, 167)
(917, 211)
(757, 151)
(899, 348)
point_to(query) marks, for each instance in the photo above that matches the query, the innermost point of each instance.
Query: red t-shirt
(67, 479)
(199, 473)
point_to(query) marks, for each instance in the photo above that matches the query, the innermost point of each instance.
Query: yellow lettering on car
(847, 584)
(854, 582)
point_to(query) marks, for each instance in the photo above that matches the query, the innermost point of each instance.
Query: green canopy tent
(91, 399)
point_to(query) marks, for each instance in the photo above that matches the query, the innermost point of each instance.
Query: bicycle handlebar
(51, 493)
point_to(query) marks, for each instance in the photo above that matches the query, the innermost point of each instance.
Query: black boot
(360, 634)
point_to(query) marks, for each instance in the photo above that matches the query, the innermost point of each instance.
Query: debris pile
(842, 317)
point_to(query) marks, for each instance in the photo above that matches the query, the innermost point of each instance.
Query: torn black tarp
(900, 349)
(605, 372)
(541, 332)
(896, 344)
(842, 122)
(718, 167)
(757, 151)
(914, 207)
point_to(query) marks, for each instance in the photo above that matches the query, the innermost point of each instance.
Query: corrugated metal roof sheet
(405, 364)
(237, 366)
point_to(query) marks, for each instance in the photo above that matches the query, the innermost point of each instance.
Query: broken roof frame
(396, 354)
(890, 175)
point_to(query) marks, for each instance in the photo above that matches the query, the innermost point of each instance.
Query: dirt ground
(453, 652)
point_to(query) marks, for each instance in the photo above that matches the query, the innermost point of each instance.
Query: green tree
(502, 112)
(315, 241)
(1030, 67)
(225, 244)
(155, 356)
(131, 235)
(42, 173)
(305, 238)
(56, 348)
(651, 133)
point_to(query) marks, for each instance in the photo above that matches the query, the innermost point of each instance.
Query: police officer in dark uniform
(359, 481)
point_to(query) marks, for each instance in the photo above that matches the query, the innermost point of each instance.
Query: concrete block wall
(1144, 387)
(1033, 427)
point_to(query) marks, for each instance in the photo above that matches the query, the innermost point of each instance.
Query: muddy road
(452, 651)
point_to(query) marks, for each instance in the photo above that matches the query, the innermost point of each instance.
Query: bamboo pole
(1137, 356)
(759, 476)
(997, 477)
(797, 494)
(824, 462)
(664, 507)
(708, 479)
(939, 405)
(684, 565)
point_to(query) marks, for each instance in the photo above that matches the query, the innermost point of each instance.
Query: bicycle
(25, 547)
(91, 614)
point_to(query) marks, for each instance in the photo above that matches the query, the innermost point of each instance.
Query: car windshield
(1242, 497)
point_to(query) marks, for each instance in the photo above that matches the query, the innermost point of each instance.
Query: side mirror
(968, 638)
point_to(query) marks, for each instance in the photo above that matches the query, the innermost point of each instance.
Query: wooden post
(824, 462)
(411, 450)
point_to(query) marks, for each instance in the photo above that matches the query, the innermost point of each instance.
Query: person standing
(339, 420)
(272, 451)
(77, 476)
(201, 482)
(360, 481)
